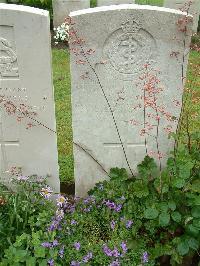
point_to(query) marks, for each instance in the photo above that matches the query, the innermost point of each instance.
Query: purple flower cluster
(51, 262)
(77, 245)
(73, 222)
(129, 224)
(85, 259)
(115, 263)
(75, 263)
(50, 244)
(145, 257)
(111, 253)
(124, 247)
(112, 224)
(113, 206)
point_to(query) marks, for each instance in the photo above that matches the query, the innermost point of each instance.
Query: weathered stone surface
(114, 2)
(191, 6)
(62, 8)
(27, 119)
(126, 67)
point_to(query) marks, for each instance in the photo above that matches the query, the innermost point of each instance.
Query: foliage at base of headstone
(124, 221)
(22, 209)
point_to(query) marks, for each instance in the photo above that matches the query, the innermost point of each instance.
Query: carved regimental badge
(129, 48)
(8, 60)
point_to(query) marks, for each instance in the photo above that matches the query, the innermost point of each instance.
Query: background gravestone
(194, 8)
(62, 8)
(26, 95)
(114, 2)
(126, 67)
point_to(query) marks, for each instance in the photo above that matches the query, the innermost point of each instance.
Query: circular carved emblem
(129, 48)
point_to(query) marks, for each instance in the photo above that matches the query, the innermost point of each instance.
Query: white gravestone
(126, 67)
(192, 6)
(27, 116)
(62, 8)
(114, 2)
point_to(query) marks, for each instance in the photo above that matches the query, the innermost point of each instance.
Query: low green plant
(124, 221)
(22, 209)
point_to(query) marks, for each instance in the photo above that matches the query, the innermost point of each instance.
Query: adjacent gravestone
(127, 85)
(114, 2)
(62, 8)
(190, 6)
(27, 118)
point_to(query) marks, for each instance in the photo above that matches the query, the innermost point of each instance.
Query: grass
(61, 72)
(93, 3)
(61, 78)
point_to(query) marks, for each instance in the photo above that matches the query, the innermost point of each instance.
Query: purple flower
(61, 252)
(115, 263)
(46, 192)
(111, 205)
(61, 200)
(55, 243)
(87, 209)
(46, 245)
(107, 251)
(145, 257)
(60, 214)
(77, 246)
(129, 224)
(112, 224)
(51, 262)
(73, 222)
(118, 208)
(75, 263)
(88, 200)
(87, 257)
(124, 247)
(115, 253)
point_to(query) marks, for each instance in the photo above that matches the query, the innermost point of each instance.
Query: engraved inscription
(128, 48)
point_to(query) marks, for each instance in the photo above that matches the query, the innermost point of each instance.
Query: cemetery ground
(62, 86)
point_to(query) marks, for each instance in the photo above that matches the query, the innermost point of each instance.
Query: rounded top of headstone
(125, 7)
(22, 8)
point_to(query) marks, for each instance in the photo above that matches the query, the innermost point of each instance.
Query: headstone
(27, 117)
(126, 67)
(190, 6)
(114, 2)
(62, 8)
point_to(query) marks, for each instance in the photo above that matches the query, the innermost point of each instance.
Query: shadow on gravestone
(127, 83)
(27, 116)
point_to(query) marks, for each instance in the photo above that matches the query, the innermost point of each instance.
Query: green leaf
(176, 216)
(39, 252)
(178, 183)
(140, 190)
(193, 243)
(148, 168)
(196, 212)
(192, 230)
(172, 205)
(164, 219)
(31, 261)
(151, 213)
(183, 248)
(117, 173)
